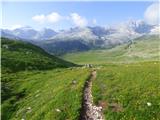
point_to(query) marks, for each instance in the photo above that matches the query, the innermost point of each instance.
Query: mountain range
(82, 39)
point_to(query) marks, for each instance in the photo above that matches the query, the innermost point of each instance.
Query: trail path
(90, 111)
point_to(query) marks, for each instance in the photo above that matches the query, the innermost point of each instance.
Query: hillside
(127, 80)
(63, 47)
(18, 55)
(141, 49)
(36, 85)
(43, 95)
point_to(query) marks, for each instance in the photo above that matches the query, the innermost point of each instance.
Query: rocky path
(90, 111)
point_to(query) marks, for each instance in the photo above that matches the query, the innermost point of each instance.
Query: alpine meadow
(90, 60)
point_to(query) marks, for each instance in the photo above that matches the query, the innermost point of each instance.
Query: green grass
(131, 86)
(44, 92)
(128, 75)
(143, 49)
(18, 55)
(33, 78)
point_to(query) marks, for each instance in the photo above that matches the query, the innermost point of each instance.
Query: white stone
(58, 110)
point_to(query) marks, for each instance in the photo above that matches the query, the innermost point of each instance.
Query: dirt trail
(90, 111)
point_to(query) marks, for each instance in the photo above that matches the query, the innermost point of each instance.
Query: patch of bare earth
(113, 106)
(116, 107)
(89, 110)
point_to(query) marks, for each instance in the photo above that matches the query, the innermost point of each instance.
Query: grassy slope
(17, 56)
(44, 92)
(128, 77)
(32, 78)
(141, 50)
(130, 86)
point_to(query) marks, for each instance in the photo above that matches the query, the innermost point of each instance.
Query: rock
(58, 110)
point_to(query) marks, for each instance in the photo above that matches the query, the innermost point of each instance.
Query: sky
(64, 15)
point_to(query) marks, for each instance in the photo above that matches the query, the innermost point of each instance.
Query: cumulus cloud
(54, 17)
(39, 18)
(78, 20)
(151, 14)
(51, 18)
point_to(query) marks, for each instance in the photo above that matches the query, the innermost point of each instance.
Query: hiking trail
(89, 110)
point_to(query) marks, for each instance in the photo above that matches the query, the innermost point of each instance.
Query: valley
(141, 49)
(36, 85)
(80, 60)
(127, 79)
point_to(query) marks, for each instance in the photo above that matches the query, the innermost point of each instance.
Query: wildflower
(29, 108)
(149, 104)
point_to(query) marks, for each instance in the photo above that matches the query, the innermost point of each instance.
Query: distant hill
(140, 49)
(18, 55)
(63, 47)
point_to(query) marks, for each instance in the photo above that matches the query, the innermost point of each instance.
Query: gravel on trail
(89, 111)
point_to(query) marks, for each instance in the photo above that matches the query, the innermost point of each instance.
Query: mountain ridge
(83, 38)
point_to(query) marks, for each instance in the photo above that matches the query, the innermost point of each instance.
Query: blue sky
(63, 15)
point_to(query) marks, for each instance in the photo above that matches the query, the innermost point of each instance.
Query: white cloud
(155, 30)
(15, 26)
(78, 20)
(39, 18)
(51, 18)
(55, 17)
(151, 14)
